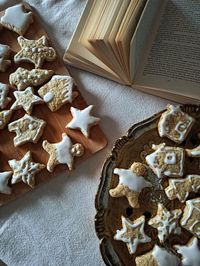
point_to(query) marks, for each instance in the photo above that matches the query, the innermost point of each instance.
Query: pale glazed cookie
(57, 92)
(26, 99)
(62, 152)
(190, 253)
(157, 257)
(168, 161)
(5, 116)
(27, 129)
(25, 170)
(4, 57)
(132, 233)
(16, 19)
(175, 124)
(82, 120)
(190, 219)
(131, 183)
(4, 100)
(23, 78)
(193, 152)
(34, 51)
(4, 179)
(166, 222)
(181, 187)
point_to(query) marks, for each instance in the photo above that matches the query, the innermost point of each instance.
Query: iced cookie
(132, 233)
(57, 92)
(4, 179)
(27, 129)
(193, 152)
(23, 78)
(5, 116)
(175, 124)
(191, 216)
(4, 57)
(168, 161)
(34, 51)
(181, 187)
(166, 222)
(17, 19)
(82, 120)
(62, 152)
(26, 99)
(131, 183)
(4, 100)
(25, 170)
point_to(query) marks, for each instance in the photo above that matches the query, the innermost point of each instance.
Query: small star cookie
(132, 233)
(27, 129)
(193, 152)
(26, 99)
(34, 51)
(25, 170)
(4, 100)
(5, 118)
(83, 120)
(62, 152)
(4, 179)
(4, 57)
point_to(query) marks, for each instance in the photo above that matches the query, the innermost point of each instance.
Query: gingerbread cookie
(180, 188)
(4, 179)
(4, 57)
(193, 152)
(175, 124)
(132, 233)
(82, 120)
(23, 78)
(166, 222)
(5, 118)
(27, 129)
(131, 183)
(26, 99)
(25, 170)
(17, 19)
(190, 219)
(57, 92)
(4, 100)
(34, 51)
(62, 152)
(168, 161)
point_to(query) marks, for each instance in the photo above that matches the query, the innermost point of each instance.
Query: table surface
(54, 224)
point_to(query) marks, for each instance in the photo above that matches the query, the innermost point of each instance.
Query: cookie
(26, 99)
(17, 19)
(4, 57)
(23, 78)
(180, 188)
(5, 116)
(27, 129)
(131, 183)
(175, 124)
(190, 219)
(62, 152)
(157, 257)
(82, 120)
(166, 222)
(166, 161)
(34, 51)
(190, 253)
(4, 179)
(132, 233)
(57, 92)
(25, 170)
(4, 100)
(193, 152)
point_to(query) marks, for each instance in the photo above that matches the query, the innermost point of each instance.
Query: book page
(172, 62)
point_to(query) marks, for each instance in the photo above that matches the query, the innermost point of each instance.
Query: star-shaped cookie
(132, 233)
(5, 118)
(34, 51)
(83, 120)
(62, 152)
(26, 99)
(166, 222)
(4, 178)
(25, 170)
(4, 100)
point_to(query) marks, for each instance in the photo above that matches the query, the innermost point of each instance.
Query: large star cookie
(5, 118)
(62, 152)
(25, 170)
(4, 179)
(4, 57)
(83, 120)
(132, 233)
(131, 183)
(34, 51)
(166, 222)
(27, 129)
(4, 100)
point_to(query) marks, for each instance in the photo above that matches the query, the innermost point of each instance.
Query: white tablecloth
(54, 224)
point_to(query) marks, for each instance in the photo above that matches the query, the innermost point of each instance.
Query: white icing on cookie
(196, 153)
(170, 158)
(63, 149)
(4, 178)
(164, 258)
(48, 97)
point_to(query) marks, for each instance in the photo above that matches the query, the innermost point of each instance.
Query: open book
(151, 45)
